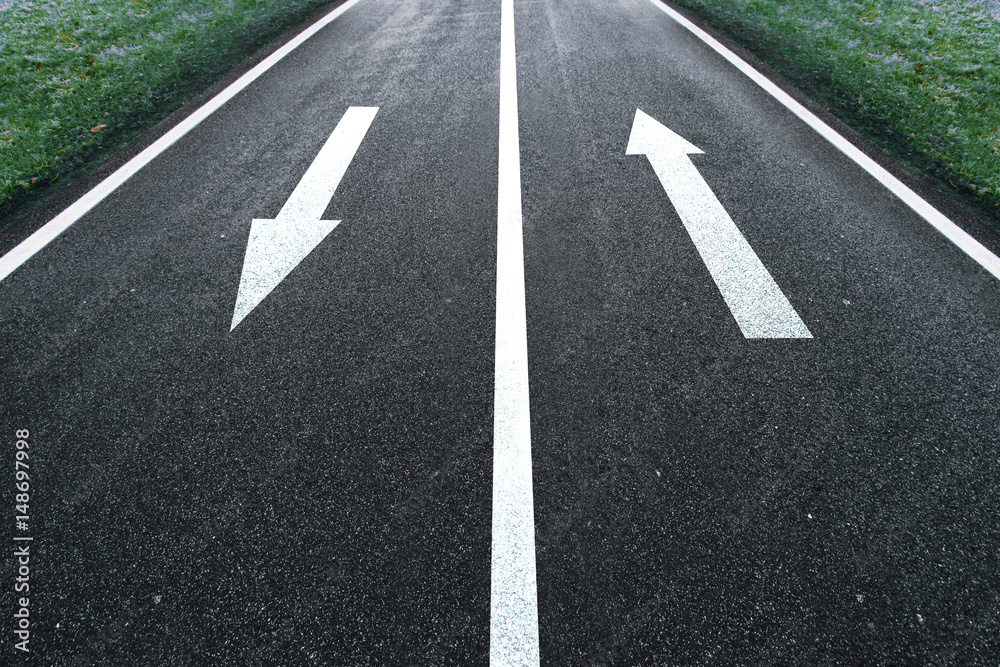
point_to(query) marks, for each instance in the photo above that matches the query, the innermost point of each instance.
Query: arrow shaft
(755, 300)
(313, 193)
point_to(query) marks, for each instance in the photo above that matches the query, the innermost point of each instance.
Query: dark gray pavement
(706, 499)
(315, 487)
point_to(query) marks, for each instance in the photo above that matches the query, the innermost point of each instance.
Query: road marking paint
(755, 300)
(275, 247)
(513, 597)
(943, 224)
(57, 225)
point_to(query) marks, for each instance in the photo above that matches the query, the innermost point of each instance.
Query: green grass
(921, 78)
(81, 78)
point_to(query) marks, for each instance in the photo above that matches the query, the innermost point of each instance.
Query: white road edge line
(513, 596)
(942, 223)
(57, 225)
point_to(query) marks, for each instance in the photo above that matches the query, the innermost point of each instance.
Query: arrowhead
(650, 137)
(274, 248)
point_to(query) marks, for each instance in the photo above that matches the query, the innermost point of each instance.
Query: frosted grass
(80, 78)
(919, 77)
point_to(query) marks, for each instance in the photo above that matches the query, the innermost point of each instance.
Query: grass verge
(920, 78)
(79, 79)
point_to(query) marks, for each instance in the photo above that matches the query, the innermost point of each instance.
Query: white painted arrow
(275, 247)
(755, 300)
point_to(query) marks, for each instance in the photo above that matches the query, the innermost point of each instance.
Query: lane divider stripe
(513, 596)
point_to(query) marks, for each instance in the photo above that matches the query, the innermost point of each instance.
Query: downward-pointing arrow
(755, 300)
(275, 247)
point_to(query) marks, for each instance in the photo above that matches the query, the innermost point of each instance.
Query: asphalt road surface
(763, 390)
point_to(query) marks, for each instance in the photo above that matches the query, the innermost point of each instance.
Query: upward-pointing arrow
(275, 247)
(755, 300)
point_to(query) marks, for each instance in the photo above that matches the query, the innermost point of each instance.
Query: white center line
(513, 599)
